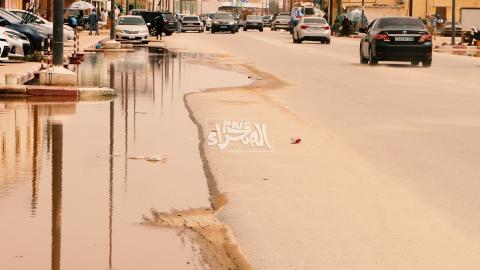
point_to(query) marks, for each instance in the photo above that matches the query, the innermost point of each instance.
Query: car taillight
(425, 37)
(304, 27)
(383, 37)
(326, 27)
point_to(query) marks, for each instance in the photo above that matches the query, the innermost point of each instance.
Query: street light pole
(57, 46)
(112, 19)
(363, 13)
(453, 21)
(410, 8)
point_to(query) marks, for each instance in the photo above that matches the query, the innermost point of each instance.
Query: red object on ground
(296, 140)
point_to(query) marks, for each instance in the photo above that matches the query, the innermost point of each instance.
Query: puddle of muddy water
(74, 179)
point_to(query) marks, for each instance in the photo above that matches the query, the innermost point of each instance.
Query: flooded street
(77, 178)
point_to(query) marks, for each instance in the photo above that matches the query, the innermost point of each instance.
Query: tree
(273, 7)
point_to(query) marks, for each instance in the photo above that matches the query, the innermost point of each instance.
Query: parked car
(149, 18)
(131, 27)
(208, 21)
(4, 49)
(68, 32)
(170, 23)
(192, 23)
(35, 36)
(280, 22)
(18, 42)
(396, 39)
(224, 22)
(267, 20)
(312, 29)
(253, 22)
(447, 29)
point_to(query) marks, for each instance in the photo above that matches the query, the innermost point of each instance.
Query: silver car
(281, 22)
(192, 23)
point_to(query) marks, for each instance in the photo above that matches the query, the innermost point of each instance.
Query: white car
(313, 29)
(68, 32)
(192, 23)
(130, 27)
(4, 50)
(18, 42)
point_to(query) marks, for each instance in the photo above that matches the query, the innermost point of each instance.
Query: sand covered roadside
(318, 204)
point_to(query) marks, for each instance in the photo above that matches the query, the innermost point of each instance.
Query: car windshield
(253, 18)
(9, 16)
(267, 17)
(168, 16)
(283, 17)
(224, 16)
(131, 21)
(190, 18)
(308, 11)
(314, 21)
(400, 23)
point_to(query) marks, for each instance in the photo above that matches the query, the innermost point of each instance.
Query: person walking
(93, 22)
(159, 25)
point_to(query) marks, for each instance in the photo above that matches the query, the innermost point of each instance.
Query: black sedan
(396, 39)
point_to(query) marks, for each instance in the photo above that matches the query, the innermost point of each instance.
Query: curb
(456, 47)
(55, 91)
(109, 50)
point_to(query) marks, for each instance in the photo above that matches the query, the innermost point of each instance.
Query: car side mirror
(4, 22)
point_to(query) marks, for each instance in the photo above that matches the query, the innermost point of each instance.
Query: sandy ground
(330, 202)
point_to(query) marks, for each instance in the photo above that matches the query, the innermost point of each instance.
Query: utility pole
(363, 14)
(410, 8)
(330, 11)
(112, 19)
(57, 46)
(453, 21)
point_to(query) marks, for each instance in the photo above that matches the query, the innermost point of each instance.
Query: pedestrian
(93, 22)
(159, 25)
(346, 26)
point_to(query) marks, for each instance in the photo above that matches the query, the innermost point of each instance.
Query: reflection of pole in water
(135, 104)
(110, 181)
(36, 143)
(125, 176)
(173, 75)
(57, 156)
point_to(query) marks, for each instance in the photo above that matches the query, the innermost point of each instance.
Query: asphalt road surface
(418, 130)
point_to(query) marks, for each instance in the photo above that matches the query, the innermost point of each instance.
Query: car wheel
(427, 62)
(363, 60)
(327, 41)
(207, 28)
(372, 60)
(294, 39)
(233, 31)
(213, 31)
(261, 29)
(168, 33)
(414, 62)
(244, 29)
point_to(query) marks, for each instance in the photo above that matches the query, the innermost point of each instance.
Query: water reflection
(80, 156)
(57, 166)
